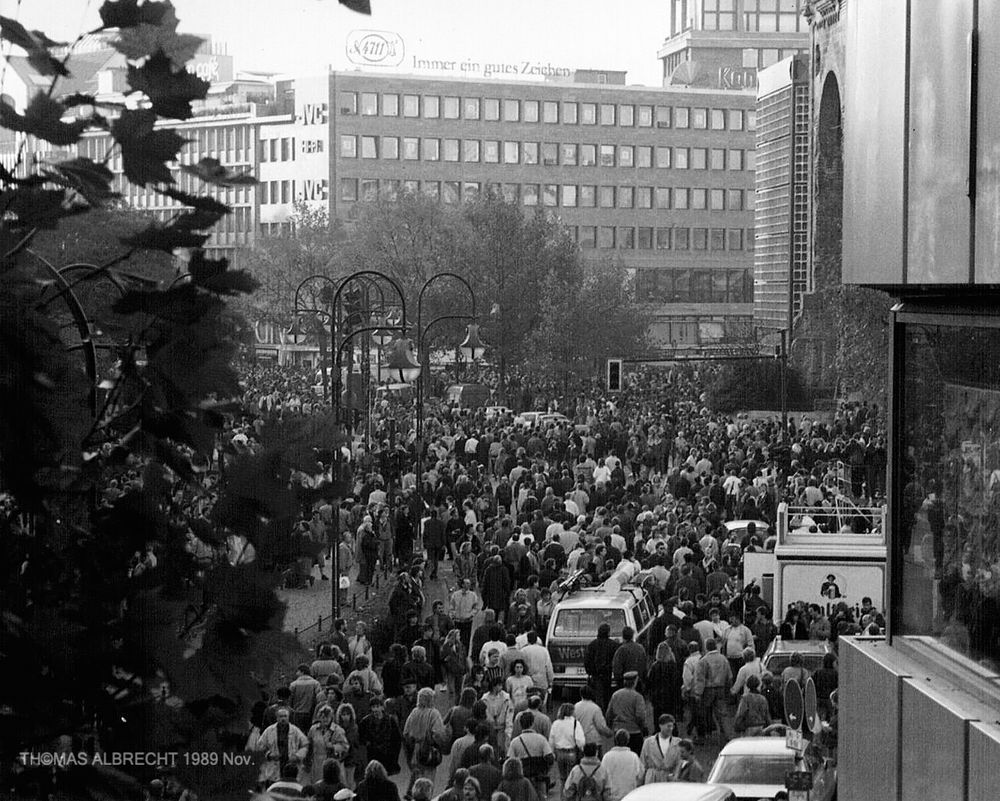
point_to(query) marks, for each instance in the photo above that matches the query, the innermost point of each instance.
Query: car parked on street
(755, 767)
(778, 655)
(680, 791)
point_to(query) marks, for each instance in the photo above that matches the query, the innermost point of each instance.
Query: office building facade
(658, 178)
(781, 254)
(661, 179)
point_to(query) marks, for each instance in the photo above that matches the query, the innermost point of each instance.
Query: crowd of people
(504, 513)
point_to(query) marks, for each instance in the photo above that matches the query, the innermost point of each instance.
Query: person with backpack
(588, 781)
(535, 753)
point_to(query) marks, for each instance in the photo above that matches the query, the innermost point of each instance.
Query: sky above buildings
(466, 38)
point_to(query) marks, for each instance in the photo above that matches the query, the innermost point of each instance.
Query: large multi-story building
(723, 43)
(781, 256)
(659, 178)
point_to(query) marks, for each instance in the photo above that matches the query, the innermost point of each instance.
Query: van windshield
(584, 622)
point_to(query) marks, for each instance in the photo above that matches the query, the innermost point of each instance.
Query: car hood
(753, 791)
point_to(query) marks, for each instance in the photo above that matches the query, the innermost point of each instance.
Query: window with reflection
(947, 518)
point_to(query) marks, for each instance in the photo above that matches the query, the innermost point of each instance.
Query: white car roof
(774, 746)
(679, 791)
(739, 525)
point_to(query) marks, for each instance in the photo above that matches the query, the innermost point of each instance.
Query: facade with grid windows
(659, 178)
(723, 44)
(781, 255)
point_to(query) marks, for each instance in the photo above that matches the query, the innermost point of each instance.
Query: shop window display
(947, 543)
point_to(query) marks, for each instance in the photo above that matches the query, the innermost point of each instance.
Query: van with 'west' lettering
(580, 611)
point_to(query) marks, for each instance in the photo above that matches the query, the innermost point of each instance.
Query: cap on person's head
(631, 675)
(344, 795)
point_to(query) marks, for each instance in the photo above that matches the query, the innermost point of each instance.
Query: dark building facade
(919, 191)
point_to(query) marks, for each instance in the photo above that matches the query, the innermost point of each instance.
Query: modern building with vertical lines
(781, 256)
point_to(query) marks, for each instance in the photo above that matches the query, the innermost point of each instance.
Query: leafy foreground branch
(103, 453)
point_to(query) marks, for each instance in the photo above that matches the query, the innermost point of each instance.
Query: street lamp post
(368, 277)
(472, 348)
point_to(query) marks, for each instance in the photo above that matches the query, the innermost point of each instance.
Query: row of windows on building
(551, 195)
(764, 16)
(567, 112)
(694, 286)
(701, 330)
(144, 198)
(238, 220)
(550, 154)
(627, 237)
(758, 57)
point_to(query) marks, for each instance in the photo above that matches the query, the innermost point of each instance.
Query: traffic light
(614, 375)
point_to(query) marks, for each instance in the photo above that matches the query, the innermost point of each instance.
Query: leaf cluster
(116, 366)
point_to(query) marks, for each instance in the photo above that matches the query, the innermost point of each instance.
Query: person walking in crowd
(627, 710)
(588, 781)
(660, 752)
(567, 740)
(623, 768)
(424, 735)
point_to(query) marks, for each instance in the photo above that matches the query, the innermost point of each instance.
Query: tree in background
(514, 257)
(280, 263)
(586, 320)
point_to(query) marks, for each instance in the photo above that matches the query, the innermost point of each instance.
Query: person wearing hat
(627, 710)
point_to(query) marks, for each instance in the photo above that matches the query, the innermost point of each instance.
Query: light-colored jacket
(624, 770)
(267, 743)
(659, 764)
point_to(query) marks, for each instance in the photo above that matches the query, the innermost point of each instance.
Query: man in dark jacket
(630, 656)
(381, 736)
(496, 587)
(434, 541)
(598, 661)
